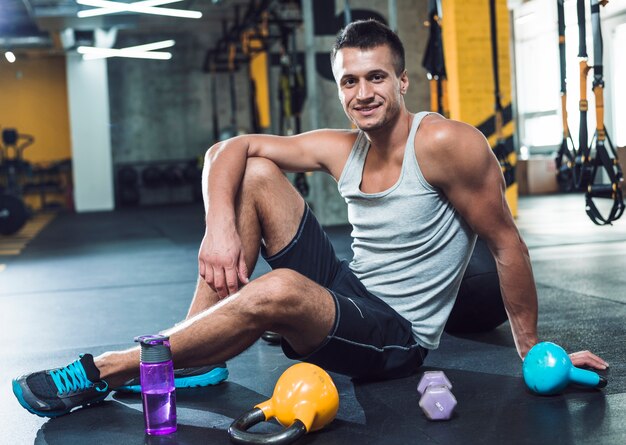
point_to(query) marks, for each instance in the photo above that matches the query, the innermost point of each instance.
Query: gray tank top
(411, 247)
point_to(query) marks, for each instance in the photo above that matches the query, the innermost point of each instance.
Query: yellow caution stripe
(14, 244)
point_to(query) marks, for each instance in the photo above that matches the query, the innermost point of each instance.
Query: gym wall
(161, 111)
(469, 66)
(33, 99)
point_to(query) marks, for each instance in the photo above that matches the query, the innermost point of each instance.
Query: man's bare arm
(220, 260)
(464, 167)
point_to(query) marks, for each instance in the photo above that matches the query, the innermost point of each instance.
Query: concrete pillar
(88, 97)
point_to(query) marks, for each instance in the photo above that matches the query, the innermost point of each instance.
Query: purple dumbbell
(437, 401)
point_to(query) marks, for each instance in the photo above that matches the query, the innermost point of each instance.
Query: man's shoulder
(444, 145)
(436, 133)
(337, 137)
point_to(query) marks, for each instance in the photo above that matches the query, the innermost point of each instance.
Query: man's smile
(367, 110)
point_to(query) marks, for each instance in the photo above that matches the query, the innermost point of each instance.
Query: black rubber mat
(91, 282)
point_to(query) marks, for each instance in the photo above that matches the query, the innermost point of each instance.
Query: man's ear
(404, 82)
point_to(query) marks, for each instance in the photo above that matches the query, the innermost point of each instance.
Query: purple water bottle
(156, 373)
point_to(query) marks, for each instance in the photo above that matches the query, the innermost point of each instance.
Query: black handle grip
(238, 430)
(601, 190)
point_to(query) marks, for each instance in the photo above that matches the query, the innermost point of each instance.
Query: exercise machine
(13, 169)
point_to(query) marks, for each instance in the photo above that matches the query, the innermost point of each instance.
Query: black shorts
(369, 340)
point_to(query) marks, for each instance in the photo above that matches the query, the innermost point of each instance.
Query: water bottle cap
(154, 348)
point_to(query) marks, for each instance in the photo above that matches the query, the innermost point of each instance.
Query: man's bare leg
(215, 331)
(280, 207)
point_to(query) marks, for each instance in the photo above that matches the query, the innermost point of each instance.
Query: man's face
(369, 89)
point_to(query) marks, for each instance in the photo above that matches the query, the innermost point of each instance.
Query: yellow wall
(33, 99)
(468, 58)
(467, 46)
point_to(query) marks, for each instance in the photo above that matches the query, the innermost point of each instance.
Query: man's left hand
(589, 359)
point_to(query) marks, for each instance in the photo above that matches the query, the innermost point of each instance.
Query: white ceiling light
(143, 7)
(10, 56)
(102, 11)
(146, 51)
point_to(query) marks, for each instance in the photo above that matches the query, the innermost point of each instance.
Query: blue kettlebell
(548, 370)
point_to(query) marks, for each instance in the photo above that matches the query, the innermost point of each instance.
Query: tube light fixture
(146, 51)
(103, 11)
(143, 7)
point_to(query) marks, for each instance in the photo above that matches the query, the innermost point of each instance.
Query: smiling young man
(419, 189)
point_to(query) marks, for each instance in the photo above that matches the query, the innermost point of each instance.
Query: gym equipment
(437, 401)
(548, 370)
(127, 175)
(13, 214)
(192, 172)
(272, 338)
(12, 164)
(129, 196)
(13, 211)
(193, 176)
(567, 151)
(127, 186)
(292, 95)
(577, 168)
(503, 149)
(305, 399)
(173, 175)
(605, 159)
(434, 62)
(214, 102)
(152, 176)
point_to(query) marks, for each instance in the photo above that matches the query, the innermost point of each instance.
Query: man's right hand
(221, 260)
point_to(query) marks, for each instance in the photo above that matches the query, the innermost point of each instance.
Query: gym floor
(91, 282)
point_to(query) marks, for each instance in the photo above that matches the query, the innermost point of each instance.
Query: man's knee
(276, 296)
(259, 172)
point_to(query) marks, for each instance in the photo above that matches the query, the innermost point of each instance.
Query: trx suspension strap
(232, 52)
(298, 88)
(581, 167)
(565, 156)
(504, 146)
(434, 62)
(606, 156)
(248, 47)
(216, 123)
(298, 96)
(291, 93)
(284, 87)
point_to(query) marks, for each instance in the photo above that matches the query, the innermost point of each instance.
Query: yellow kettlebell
(305, 399)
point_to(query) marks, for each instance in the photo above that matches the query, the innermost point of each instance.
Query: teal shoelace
(73, 378)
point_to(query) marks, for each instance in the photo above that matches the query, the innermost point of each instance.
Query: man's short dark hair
(368, 34)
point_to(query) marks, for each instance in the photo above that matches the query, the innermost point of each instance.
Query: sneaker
(186, 378)
(56, 392)
(272, 337)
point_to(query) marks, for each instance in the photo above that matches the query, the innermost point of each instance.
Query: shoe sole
(211, 378)
(17, 390)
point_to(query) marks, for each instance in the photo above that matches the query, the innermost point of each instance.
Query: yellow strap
(564, 115)
(598, 91)
(232, 52)
(583, 70)
(434, 103)
(444, 98)
(498, 125)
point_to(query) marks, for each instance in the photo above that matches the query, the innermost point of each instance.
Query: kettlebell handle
(238, 430)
